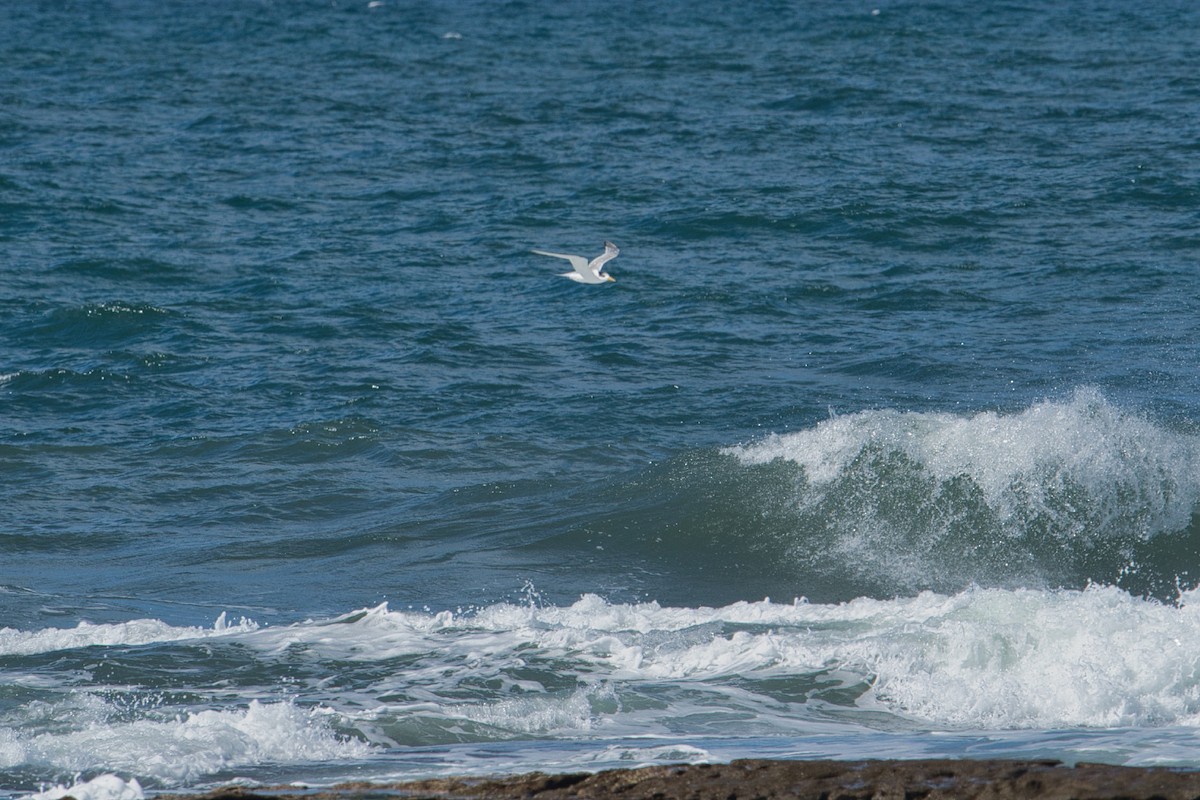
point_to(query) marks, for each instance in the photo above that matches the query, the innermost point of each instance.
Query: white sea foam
(102, 787)
(134, 632)
(983, 658)
(538, 714)
(1026, 659)
(182, 749)
(624, 675)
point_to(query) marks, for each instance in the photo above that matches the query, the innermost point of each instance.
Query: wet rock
(786, 780)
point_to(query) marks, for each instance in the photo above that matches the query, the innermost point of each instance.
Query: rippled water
(311, 470)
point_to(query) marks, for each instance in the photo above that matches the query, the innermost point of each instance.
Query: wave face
(1063, 493)
(1059, 494)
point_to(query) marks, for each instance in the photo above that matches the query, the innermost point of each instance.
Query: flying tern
(587, 271)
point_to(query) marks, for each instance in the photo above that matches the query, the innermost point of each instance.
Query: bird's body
(587, 271)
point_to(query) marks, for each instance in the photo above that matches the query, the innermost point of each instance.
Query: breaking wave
(1062, 493)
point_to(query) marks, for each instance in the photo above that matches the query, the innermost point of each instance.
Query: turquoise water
(883, 441)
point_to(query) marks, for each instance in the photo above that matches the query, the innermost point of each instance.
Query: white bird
(588, 271)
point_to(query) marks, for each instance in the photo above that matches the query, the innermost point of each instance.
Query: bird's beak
(611, 278)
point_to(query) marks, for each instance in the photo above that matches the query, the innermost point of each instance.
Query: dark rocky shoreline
(754, 779)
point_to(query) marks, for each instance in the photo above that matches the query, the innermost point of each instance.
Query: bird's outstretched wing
(578, 262)
(611, 251)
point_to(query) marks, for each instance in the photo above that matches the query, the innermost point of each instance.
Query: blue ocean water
(883, 442)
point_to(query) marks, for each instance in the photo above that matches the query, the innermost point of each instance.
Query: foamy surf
(610, 683)
(90, 735)
(134, 632)
(102, 787)
(984, 658)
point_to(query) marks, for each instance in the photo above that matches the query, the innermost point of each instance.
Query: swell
(885, 503)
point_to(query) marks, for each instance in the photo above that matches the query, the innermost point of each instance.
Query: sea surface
(884, 442)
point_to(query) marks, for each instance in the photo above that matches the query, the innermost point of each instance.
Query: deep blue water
(903, 337)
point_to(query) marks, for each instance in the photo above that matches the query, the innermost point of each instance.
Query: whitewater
(1079, 674)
